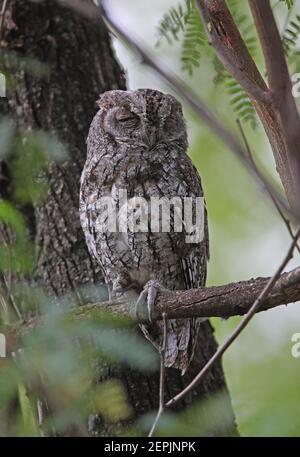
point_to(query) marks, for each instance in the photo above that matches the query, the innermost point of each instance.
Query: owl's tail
(181, 341)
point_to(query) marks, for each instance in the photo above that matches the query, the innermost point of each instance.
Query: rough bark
(82, 65)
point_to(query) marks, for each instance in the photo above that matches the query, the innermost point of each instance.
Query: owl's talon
(152, 293)
(145, 305)
(140, 305)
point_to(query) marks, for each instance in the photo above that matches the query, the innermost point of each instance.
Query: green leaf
(30, 427)
(7, 130)
(289, 3)
(11, 216)
(290, 40)
(110, 400)
(34, 152)
(16, 255)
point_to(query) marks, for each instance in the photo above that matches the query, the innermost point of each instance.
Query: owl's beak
(150, 138)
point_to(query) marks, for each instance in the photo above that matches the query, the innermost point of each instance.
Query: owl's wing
(194, 264)
(193, 257)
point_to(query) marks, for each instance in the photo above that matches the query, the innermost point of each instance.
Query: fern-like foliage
(183, 23)
(194, 39)
(240, 102)
(291, 40)
(173, 23)
(289, 3)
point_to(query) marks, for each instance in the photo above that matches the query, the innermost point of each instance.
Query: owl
(137, 171)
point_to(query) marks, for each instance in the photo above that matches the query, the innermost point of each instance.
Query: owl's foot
(145, 305)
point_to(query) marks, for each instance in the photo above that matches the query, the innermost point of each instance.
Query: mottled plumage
(138, 142)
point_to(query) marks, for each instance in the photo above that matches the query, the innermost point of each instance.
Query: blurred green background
(247, 237)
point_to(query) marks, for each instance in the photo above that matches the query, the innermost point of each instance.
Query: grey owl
(137, 144)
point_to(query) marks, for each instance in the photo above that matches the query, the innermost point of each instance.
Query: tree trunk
(81, 65)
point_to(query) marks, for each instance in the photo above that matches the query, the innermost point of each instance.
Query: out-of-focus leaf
(7, 130)
(17, 255)
(125, 346)
(30, 65)
(209, 417)
(10, 215)
(52, 148)
(109, 400)
(9, 382)
(29, 422)
(17, 258)
(34, 152)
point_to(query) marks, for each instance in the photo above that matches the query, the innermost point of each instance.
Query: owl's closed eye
(127, 118)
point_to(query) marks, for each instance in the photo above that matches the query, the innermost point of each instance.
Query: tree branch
(277, 69)
(274, 105)
(2, 16)
(281, 88)
(226, 39)
(234, 299)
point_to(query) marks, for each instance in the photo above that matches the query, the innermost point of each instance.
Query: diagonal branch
(277, 206)
(226, 39)
(241, 326)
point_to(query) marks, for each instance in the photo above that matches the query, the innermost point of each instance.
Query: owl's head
(142, 118)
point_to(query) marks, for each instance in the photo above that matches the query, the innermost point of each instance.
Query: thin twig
(2, 16)
(277, 206)
(242, 325)
(161, 407)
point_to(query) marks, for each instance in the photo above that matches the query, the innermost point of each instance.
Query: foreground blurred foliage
(200, 419)
(55, 363)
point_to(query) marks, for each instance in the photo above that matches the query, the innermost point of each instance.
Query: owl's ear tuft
(98, 102)
(105, 98)
(110, 98)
